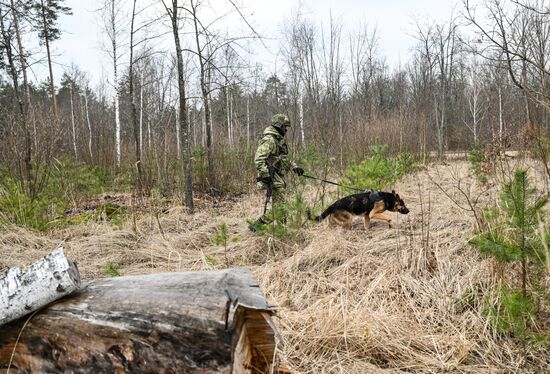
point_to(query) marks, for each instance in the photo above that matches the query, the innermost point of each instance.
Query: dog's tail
(321, 217)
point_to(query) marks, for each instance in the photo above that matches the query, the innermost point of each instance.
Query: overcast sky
(82, 39)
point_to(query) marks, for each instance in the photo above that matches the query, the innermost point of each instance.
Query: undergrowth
(285, 220)
(378, 171)
(67, 183)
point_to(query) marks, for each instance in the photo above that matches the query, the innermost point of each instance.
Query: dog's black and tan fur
(342, 211)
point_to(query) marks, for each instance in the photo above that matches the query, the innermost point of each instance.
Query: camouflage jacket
(272, 150)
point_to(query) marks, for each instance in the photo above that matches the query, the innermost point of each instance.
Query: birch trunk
(141, 118)
(500, 116)
(25, 291)
(115, 84)
(302, 133)
(89, 127)
(178, 136)
(228, 115)
(72, 121)
(247, 121)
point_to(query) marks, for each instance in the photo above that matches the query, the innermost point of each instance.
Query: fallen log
(212, 321)
(24, 291)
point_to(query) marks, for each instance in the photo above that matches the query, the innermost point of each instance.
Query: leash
(334, 183)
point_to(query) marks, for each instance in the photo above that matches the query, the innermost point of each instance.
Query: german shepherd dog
(370, 205)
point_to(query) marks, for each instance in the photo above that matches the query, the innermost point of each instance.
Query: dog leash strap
(334, 183)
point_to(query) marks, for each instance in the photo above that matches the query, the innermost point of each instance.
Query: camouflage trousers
(277, 200)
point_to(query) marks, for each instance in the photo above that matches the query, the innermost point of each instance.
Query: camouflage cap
(280, 119)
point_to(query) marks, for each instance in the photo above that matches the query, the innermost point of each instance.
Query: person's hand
(267, 180)
(299, 171)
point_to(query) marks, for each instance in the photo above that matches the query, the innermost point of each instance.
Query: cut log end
(213, 321)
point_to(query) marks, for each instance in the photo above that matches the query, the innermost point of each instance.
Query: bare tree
(333, 71)
(27, 158)
(133, 105)
(477, 107)
(517, 35)
(172, 12)
(112, 15)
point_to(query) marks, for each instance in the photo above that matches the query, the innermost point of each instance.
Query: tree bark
(89, 126)
(116, 101)
(135, 125)
(27, 290)
(212, 321)
(49, 57)
(186, 164)
(27, 159)
(73, 126)
(205, 87)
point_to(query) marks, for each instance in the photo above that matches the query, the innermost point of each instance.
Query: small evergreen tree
(221, 238)
(512, 230)
(512, 236)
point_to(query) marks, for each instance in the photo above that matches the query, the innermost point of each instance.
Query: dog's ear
(393, 192)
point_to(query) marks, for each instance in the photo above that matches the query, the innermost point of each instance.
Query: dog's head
(399, 205)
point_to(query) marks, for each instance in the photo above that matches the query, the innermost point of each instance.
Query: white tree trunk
(149, 134)
(211, 124)
(228, 110)
(178, 138)
(302, 133)
(190, 128)
(141, 119)
(248, 121)
(204, 124)
(500, 115)
(24, 291)
(113, 25)
(72, 121)
(89, 127)
(117, 131)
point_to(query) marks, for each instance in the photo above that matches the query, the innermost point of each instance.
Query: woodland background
(185, 117)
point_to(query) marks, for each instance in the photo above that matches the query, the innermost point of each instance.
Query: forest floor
(383, 300)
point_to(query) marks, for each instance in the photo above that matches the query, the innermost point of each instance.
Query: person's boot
(254, 226)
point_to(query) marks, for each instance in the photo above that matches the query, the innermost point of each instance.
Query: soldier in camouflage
(272, 153)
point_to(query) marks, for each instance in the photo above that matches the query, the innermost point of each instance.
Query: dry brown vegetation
(350, 301)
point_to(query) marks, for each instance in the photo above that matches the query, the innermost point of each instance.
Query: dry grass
(350, 301)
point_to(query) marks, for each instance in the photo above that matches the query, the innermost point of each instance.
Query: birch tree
(112, 14)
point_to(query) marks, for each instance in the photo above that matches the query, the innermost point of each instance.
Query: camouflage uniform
(272, 150)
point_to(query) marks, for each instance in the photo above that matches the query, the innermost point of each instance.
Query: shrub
(64, 185)
(286, 220)
(377, 171)
(74, 179)
(511, 312)
(476, 157)
(311, 158)
(35, 214)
